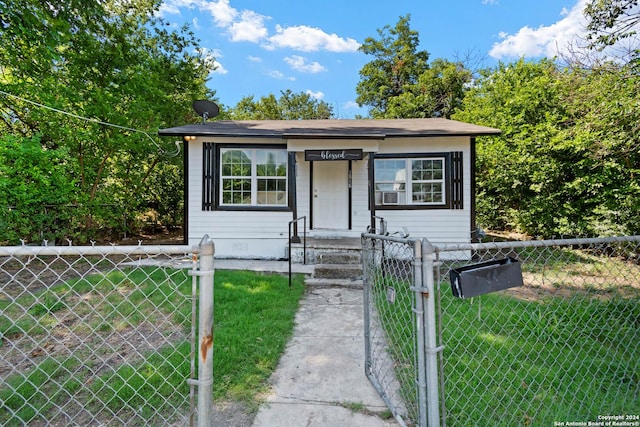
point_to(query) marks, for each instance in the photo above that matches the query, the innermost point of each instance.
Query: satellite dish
(205, 109)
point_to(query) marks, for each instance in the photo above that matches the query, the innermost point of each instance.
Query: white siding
(438, 225)
(237, 234)
(263, 234)
(303, 179)
(361, 215)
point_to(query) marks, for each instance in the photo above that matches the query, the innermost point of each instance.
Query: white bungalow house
(247, 180)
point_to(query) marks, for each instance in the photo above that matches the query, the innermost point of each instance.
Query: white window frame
(407, 193)
(253, 178)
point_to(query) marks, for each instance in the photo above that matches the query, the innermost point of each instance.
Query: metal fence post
(205, 333)
(418, 289)
(431, 348)
(367, 254)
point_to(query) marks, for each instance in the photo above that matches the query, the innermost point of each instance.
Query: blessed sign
(324, 155)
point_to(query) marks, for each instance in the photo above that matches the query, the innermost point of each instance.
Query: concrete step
(339, 258)
(338, 271)
(318, 247)
(334, 283)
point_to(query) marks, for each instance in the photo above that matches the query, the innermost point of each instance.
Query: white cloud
(308, 39)
(491, 2)
(350, 105)
(168, 8)
(276, 75)
(299, 63)
(548, 41)
(219, 68)
(254, 58)
(250, 27)
(221, 12)
(211, 57)
(316, 95)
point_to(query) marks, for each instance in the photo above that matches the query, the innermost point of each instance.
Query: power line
(96, 121)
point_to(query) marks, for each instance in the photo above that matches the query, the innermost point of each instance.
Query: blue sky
(268, 46)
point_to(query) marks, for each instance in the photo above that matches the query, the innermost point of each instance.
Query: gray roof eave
(331, 129)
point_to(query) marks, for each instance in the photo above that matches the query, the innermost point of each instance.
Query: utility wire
(160, 149)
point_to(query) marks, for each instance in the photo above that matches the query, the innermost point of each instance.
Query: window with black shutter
(419, 181)
(208, 176)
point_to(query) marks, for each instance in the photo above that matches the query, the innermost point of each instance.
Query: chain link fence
(392, 315)
(562, 349)
(97, 335)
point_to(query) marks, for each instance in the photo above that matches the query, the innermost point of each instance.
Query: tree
(568, 160)
(610, 21)
(109, 61)
(289, 106)
(602, 129)
(396, 66)
(400, 83)
(438, 92)
(32, 182)
(520, 174)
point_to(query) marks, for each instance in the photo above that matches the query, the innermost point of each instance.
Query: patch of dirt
(152, 237)
(232, 414)
(90, 345)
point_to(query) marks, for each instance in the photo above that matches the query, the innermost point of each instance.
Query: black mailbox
(482, 278)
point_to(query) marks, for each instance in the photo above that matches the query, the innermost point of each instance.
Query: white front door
(331, 195)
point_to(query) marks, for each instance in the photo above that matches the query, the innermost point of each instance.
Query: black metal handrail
(293, 236)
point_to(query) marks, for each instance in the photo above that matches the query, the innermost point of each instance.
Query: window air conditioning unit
(390, 198)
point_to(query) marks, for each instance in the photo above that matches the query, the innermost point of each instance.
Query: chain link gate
(561, 349)
(98, 335)
(400, 331)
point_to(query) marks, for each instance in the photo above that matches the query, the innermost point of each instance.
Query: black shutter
(208, 176)
(457, 180)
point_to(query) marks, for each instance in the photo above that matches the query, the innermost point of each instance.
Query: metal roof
(331, 129)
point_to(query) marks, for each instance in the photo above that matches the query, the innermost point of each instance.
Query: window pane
(427, 193)
(236, 163)
(427, 169)
(423, 183)
(236, 191)
(390, 170)
(271, 162)
(272, 191)
(265, 184)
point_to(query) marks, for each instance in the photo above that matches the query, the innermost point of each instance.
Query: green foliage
(32, 179)
(396, 66)
(400, 83)
(289, 106)
(604, 136)
(519, 174)
(567, 161)
(114, 63)
(611, 20)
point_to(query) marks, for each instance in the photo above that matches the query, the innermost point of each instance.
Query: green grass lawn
(512, 362)
(253, 320)
(565, 347)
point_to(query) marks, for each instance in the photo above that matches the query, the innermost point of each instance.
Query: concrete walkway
(320, 380)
